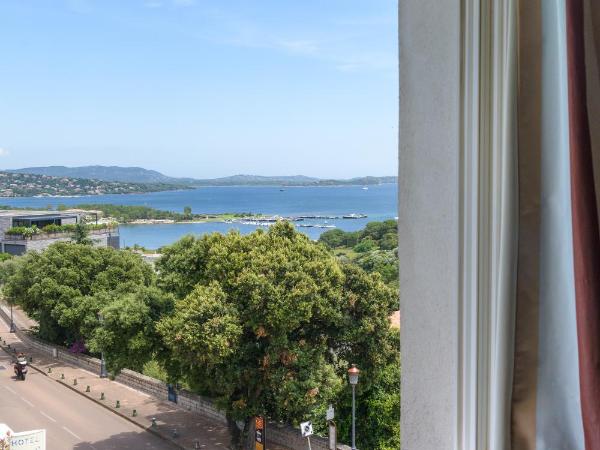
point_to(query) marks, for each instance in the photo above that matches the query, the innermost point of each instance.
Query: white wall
(429, 33)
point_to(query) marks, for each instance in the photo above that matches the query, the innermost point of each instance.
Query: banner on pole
(259, 433)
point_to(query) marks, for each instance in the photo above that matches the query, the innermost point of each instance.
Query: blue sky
(201, 88)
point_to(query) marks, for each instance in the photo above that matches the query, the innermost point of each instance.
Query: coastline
(191, 188)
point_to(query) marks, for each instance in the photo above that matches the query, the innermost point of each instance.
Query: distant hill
(357, 181)
(141, 175)
(104, 173)
(258, 180)
(29, 185)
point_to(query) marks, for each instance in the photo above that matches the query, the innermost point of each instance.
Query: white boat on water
(365, 188)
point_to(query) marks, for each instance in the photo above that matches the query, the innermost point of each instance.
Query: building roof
(27, 213)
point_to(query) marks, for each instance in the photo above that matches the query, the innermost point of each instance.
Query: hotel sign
(25, 440)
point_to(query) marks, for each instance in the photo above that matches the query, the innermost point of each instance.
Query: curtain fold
(524, 390)
(586, 235)
(558, 411)
(505, 286)
(555, 401)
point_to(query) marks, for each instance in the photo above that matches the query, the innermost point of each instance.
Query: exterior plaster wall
(429, 188)
(41, 244)
(5, 224)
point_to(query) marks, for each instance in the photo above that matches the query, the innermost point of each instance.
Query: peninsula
(32, 185)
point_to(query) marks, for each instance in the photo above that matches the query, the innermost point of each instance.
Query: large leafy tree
(267, 323)
(127, 330)
(65, 286)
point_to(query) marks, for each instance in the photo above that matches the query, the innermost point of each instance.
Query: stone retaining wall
(291, 438)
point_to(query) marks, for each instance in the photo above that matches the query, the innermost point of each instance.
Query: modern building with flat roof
(17, 244)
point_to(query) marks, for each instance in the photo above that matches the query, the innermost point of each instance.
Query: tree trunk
(234, 431)
(248, 433)
(240, 439)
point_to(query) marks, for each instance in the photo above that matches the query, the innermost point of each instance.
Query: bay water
(377, 202)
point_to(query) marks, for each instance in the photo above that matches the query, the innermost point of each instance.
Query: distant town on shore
(101, 180)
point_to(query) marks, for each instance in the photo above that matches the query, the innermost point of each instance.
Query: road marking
(10, 390)
(71, 433)
(47, 416)
(27, 401)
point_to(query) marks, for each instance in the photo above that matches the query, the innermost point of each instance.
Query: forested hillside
(29, 185)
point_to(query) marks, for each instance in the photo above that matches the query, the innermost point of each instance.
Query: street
(71, 421)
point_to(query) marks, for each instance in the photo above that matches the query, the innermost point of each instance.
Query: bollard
(31, 359)
(62, 376)
(196, 443)
(174, 433)
(118, 405)
(87, 389)
(154, 422)
(134, 413)
(74, 381)
(49, 369)
(101, 395)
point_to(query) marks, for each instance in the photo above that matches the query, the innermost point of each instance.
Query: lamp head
(353, 373)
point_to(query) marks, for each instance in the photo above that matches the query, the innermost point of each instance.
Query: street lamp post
(103, 372)
(353, 378)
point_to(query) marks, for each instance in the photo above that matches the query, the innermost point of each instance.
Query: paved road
(72, 422)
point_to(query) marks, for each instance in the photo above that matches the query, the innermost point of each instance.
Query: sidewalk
(186, 429)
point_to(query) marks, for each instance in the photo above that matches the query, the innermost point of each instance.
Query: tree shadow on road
(127, 441)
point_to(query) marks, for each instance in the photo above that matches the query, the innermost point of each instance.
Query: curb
(129, 419)
(105, 406)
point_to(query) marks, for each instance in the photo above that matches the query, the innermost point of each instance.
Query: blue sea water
(377, 202)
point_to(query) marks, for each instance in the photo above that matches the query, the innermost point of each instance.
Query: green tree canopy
(366, 245)
(127, 330)
(384, 262)
(61, 287)
(338, 238)
(267, 323)
(378, 235)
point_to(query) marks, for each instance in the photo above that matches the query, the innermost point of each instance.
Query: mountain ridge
(141, 175)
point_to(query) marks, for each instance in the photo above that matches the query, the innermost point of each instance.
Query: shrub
(71, 227)
(365, 245)
(23, 231)
(52, 228)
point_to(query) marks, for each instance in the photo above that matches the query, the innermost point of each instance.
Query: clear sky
(201, 88)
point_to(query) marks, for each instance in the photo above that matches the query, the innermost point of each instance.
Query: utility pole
(12, 323)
